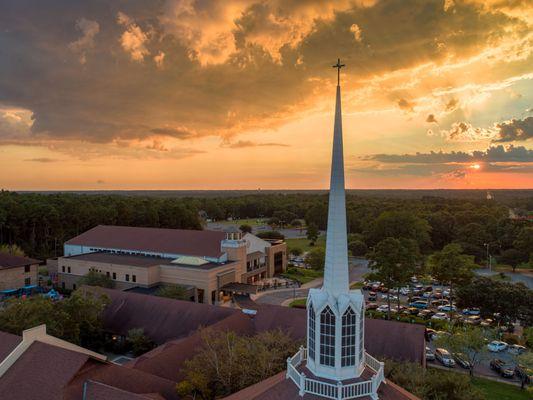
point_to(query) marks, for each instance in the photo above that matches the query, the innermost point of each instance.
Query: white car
(440, 315)
(383, 308)
(393, 297)
(405, 291)
(516, 349)
(496, 346)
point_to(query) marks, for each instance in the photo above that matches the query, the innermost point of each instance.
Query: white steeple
(335, 314)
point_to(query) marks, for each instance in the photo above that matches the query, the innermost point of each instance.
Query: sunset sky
(210, 94)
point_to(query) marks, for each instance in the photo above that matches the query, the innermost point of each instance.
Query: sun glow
(475, 166)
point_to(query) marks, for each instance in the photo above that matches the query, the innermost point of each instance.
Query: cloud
(247, 143)
(515, 130)
(42, 160)
(406, 105)
(431, 119)
(356, 32)
(176, 132)
(492, 154)
(82, 45)
(133, 39)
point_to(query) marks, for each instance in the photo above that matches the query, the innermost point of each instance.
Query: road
(515, 277)
(358, 267)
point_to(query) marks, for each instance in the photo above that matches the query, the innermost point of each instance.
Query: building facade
(17, 272)
(205, 262)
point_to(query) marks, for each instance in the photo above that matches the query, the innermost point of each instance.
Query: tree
(12, 250)
(175, 292)
(510, 301)
(469, 341)
(245, 228)
(94, 278)
(513, 257)
(431, 384)
(316, 258)
(296, 223)
(274, 222)
(393, 263)
(226, 362)
(524, 241)
(400, 224)
(76, 319)
(271, 235)
(525, 361)
(358, 248)
(451, 267)
(312, 233)
(139, 342)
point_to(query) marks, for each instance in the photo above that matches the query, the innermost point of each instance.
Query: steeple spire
(336, 267)
(338, 66)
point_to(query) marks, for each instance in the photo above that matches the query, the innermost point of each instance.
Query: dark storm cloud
(101, 71)
(515, 130)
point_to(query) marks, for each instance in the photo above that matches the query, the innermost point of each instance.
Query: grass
(500, 391)
(500, 277)
(247, 221)
(304, 244)
(297, 303)
(302, 275)
(524, 267)
(356, 285)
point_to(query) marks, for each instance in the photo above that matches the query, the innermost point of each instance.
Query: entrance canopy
(237, 287)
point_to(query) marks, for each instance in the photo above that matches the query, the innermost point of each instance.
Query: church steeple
(336, 266)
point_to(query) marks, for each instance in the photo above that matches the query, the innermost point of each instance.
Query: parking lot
(423, 299)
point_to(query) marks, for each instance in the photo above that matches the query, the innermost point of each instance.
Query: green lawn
(302, 275)
(239, 222)
(304, 244)
(500, 391)
(356, 285)
(297, 302)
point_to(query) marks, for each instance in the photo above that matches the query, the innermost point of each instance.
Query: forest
(40, 223)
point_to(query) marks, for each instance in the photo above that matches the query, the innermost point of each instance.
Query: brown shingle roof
(40, 373)
(173, 241)
(100, 391)
(162, 319)
(121, 259)
(9, 261)
(119, 377)
(8, 342)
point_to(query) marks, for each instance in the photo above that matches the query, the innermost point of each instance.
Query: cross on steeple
(338, 66)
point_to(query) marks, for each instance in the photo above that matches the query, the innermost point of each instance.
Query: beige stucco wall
(271, 251)
(13, 278)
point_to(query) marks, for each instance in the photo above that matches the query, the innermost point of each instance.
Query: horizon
(239, 95)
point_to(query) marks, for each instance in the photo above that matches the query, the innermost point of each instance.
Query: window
(107, 274)
(27, 281)
(311, 330)
(361, 333)
(114, 275)
(127, 278)
(349, 320)
(327, 337)
(68, 270)
(134, 278)
(26, 268)
(73, 286)
(63, 268)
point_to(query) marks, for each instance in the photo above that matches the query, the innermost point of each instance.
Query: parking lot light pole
(487, 246)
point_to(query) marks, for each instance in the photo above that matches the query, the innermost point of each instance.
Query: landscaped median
(302, 275)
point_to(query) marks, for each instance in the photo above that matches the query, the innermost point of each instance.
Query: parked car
(383, 308)
(372, 296)
(412, 311)
(405, 291)
(516, 349)
(414, 279)
(486, 322)
(444, 357)
(367, 285)
(461, 359)
(496, 346)
(425, 314)
(430, 356)
(440, 302)
(471, 311)
(419, 304)
(386, 296)
(440, 315)
(523, 373)
(426, 295)
(447, 308)
(371, 306)
(473, 320)
(504, 369)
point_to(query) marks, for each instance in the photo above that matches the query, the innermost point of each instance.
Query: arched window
(327, 337)
(349, 336)
(311, 331)
(362, 334)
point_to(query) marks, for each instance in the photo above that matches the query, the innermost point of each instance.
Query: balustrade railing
(337, 391)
